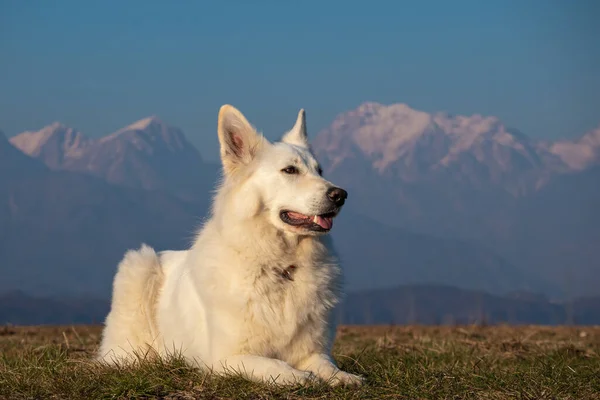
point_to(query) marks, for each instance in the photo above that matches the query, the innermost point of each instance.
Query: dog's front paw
(294, 378)
(307, 378)
(346, 379)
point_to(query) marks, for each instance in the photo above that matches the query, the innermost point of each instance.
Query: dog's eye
(290, 170)
(320, 171)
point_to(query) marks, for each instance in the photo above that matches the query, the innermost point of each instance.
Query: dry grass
(399, 362)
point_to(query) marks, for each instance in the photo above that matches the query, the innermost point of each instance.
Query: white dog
(256, 292)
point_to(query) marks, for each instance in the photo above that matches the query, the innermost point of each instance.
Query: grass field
(398, 362)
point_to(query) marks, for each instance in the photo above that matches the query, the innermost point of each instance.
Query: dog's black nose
(337, 196)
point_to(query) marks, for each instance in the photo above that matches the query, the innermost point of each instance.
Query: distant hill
(18, 308)
(414, 304)
(424, 304)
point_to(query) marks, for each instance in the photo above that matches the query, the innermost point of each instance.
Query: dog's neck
(275, 256)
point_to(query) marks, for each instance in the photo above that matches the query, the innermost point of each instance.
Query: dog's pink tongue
(325, 223)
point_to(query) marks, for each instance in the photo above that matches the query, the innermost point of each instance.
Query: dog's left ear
(297, 135)
(239, 140)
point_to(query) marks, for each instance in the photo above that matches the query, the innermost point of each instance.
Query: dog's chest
(289, 298)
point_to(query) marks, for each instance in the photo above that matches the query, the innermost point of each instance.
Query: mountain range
(147, 154)
(434, 199)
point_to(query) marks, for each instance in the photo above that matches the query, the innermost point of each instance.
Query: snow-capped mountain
(579, 154)
(151, 136)
(475, 179)
(147, 154)
(400, 142)
(56, 145)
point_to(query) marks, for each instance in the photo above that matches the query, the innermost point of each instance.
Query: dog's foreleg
(323, 366)
(263, 369)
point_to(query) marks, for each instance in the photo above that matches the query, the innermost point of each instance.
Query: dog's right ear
(297, 135)
(239, 140)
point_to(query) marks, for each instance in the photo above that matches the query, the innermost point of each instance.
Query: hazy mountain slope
(14, 167)
(375, 255)
(557, 230)
(64, 232)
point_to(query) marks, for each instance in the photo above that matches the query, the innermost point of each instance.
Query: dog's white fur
(226, 303)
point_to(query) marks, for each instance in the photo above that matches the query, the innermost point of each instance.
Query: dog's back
(130, 326)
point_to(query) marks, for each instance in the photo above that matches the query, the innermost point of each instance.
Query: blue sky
(98, 66)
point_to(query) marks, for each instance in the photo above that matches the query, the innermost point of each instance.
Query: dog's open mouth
(317, 223)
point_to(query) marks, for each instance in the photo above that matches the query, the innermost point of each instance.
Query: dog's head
(281, 181)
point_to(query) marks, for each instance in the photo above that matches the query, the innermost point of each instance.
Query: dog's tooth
(316, 219)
